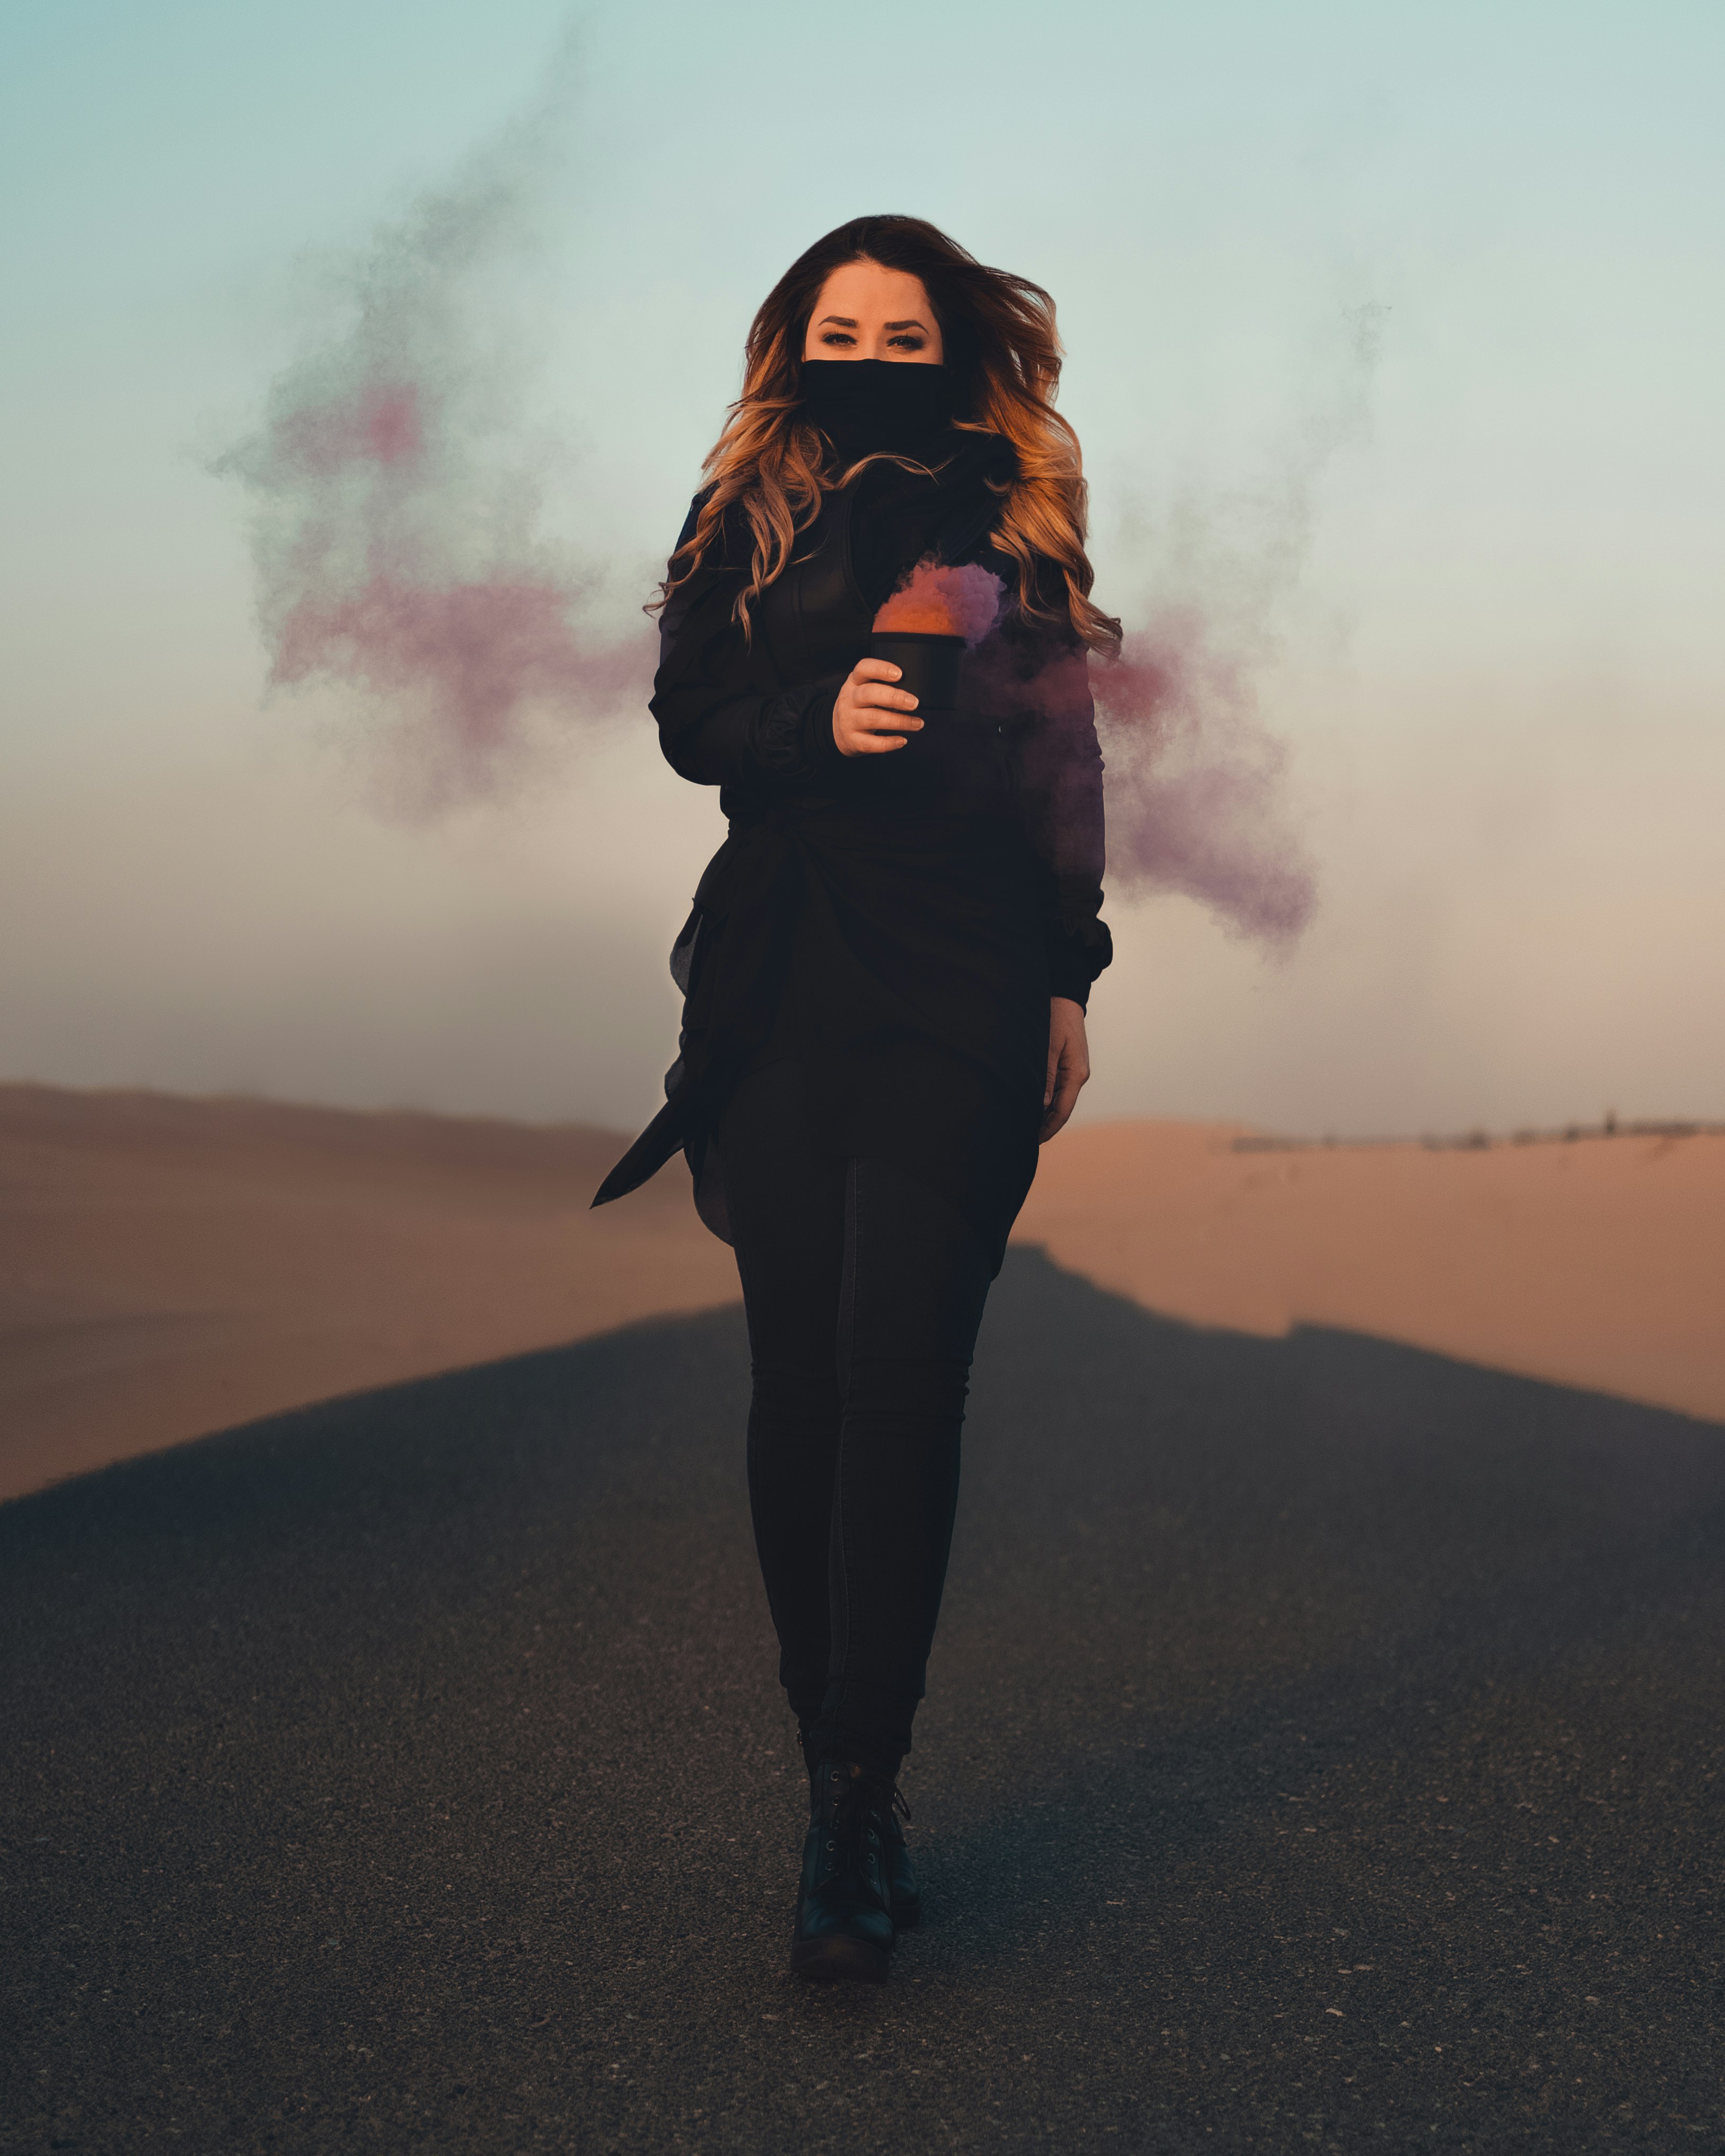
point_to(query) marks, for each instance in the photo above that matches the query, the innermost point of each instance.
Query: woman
(887, 965)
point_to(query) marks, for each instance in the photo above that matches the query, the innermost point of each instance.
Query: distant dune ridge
(174, 1266)
(170, 1267)
(1598, 1263)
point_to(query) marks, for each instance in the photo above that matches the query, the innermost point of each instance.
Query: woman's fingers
(871, 717)
(872, 684)
(1055, 1107)
(871, 687)
(1068, 1066)
(1059, 1112)
(1059, 1108)
(874, 731)
(860, 741)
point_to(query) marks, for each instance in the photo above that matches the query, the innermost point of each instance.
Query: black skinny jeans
(863, 1289)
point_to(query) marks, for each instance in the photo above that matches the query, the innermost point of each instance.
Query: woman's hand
(1068, 1064)
(871, 718)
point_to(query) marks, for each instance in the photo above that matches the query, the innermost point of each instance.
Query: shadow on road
(1322, 1749)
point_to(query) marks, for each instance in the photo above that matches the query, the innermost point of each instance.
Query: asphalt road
(1322, 1752)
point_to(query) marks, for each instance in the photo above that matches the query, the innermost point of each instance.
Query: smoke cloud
(396, 530)
(934, 600)
(1196, 782)
(1197, 793)
(401, 556)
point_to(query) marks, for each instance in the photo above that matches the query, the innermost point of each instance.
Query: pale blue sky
(1493, 605)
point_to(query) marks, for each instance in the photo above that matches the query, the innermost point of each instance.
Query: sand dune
(170, 1267)
(1600, 1263)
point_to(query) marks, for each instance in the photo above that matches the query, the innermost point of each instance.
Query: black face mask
(865, 405)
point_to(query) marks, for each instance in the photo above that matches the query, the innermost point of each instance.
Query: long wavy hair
(771, 462)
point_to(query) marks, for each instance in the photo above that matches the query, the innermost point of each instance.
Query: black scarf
(864, 406)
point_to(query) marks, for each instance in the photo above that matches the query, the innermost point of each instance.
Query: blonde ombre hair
(771, 462)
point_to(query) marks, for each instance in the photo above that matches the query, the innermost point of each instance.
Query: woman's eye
(908, 343)
(837, 336)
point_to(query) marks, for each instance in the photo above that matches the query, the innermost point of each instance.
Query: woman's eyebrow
(844, 322)
(913, 324)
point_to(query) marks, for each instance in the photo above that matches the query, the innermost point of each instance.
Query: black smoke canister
(929, 666)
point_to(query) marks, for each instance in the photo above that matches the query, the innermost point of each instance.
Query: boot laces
(863, 1796)
(894, 1801)
(877, 1794)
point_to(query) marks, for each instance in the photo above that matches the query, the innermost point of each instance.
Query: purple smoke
(398, 540)
(934, 600)
(396, 533)
(1196, 795)
(1194, 783)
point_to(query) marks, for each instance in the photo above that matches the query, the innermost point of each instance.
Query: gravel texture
(1322, 1752)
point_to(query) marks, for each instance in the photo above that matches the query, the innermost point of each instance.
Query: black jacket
(898, 920)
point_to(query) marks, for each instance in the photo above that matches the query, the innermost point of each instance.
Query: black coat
(898, 922)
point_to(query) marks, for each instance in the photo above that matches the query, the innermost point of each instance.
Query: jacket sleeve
(717, 724)
(1052, 728)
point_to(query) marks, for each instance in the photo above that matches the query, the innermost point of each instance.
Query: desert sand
(171, 1267)
(1599, 1262)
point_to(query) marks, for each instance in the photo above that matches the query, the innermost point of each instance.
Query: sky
(1473, 578)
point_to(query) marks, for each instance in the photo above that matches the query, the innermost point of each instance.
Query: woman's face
(866, 312)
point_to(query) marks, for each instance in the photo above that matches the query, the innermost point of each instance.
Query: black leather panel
(814, 619)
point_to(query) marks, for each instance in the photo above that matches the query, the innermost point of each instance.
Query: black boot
(903, 1887)
(844, 1927)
